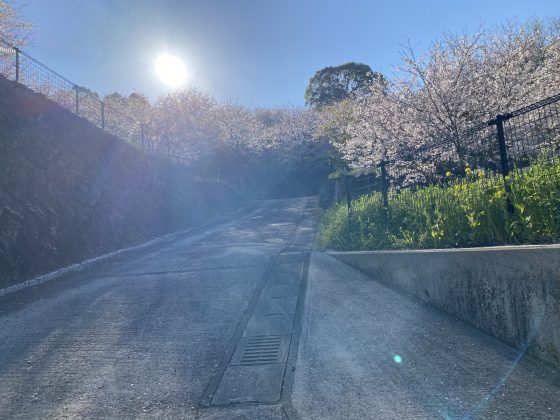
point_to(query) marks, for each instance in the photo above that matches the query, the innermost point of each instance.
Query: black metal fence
(19, 67)
(488, 152)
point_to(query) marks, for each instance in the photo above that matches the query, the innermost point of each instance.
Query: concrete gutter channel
(511, 292)
(258, 366)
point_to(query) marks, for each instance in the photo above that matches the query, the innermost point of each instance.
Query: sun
(171, 70)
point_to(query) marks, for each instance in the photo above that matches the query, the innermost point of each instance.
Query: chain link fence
(19, 67)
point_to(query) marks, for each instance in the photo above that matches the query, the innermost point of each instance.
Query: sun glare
(171, 70)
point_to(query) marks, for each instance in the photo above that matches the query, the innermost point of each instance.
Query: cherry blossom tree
(14, 29)
(418, 121)
(238, 133)
(182, 123)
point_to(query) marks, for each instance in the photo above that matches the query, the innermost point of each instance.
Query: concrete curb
(91, 262)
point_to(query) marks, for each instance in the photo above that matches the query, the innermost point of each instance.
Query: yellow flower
(448, 173)
(468, 170)
(481, 173)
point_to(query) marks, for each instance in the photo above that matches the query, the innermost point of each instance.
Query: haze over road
(207, 325)
(142, 334)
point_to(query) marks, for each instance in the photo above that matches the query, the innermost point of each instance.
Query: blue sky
(258, 52)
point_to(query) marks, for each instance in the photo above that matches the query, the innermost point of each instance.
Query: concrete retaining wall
(70, 191)
(511, 292)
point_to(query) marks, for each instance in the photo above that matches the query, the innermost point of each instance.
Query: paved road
(144, 334)
(354, 329)
(208, 325)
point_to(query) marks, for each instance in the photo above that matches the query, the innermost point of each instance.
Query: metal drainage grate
(261, 350)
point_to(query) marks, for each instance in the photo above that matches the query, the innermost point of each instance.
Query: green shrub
(471, 211)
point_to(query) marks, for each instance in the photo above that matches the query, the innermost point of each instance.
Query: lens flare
(397, 358)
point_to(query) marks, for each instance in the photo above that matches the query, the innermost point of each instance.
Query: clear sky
(258, 52)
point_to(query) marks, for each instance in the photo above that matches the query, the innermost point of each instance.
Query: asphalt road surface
(239, 321)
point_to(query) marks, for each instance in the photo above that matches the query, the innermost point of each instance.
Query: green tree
(331, 85)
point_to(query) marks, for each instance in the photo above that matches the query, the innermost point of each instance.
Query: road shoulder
(367, 351)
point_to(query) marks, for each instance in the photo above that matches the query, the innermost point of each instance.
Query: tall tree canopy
(334, 84)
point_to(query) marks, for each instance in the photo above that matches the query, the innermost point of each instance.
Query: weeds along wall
(70, 191)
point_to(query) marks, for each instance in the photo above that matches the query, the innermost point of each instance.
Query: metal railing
(491, 151)
(20, 67)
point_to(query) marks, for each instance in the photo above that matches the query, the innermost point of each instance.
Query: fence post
(77, 89)
(384, 184)
(17, 63)
(499, 121)
(348, 188)
(502, 143)
(102, 115)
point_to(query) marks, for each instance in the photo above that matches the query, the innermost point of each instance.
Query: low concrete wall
(511, 292)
